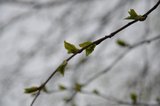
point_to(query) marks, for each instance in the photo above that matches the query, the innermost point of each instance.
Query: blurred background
(32, 33)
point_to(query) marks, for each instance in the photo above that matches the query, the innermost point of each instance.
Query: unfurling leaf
(133, 97)
(70, 47)
(62, 87)
(122, 43)
(31, 89)
(61, 68)
(134, 16)
(132, 13)
(84, 44)
(78, 87)
(89, 49)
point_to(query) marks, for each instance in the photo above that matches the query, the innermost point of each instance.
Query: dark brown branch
(97, 42)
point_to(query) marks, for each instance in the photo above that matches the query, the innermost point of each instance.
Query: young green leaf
(62, 87)
(84, 44)
(31, 89)
(88, 50)
(70, 47)
(134, 16)
(133, 97)
(78, 87)
(121, 43)
(132, 13)
(61, 68)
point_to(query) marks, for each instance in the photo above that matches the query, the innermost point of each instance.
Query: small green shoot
(78, 87)
(122, 43)
(133, 97)
(61, 68)
(89, 49)
(31, 90)
(134, 16)
(70, 47)
(62, 87)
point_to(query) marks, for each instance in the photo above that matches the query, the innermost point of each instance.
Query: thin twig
(118, 101)
(35, 98)
(131, 47)
(97, 42)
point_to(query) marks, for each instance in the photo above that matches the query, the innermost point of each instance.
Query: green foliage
(31, 90)
(122, 43)
(133, 97)
(70, 47)
(78, 87)
(134, 16)
(62, 87)
(95, 92)
(61, 68)
(89, 49)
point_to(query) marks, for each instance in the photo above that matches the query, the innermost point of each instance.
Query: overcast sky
(32, 33)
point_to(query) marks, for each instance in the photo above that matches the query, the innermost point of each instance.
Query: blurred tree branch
(97, 42)
(116, 61)
(38, 5)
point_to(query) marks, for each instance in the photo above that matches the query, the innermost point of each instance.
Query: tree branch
(116, 61)
(96, 42)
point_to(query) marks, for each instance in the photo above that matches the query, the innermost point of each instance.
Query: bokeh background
(32, 33)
